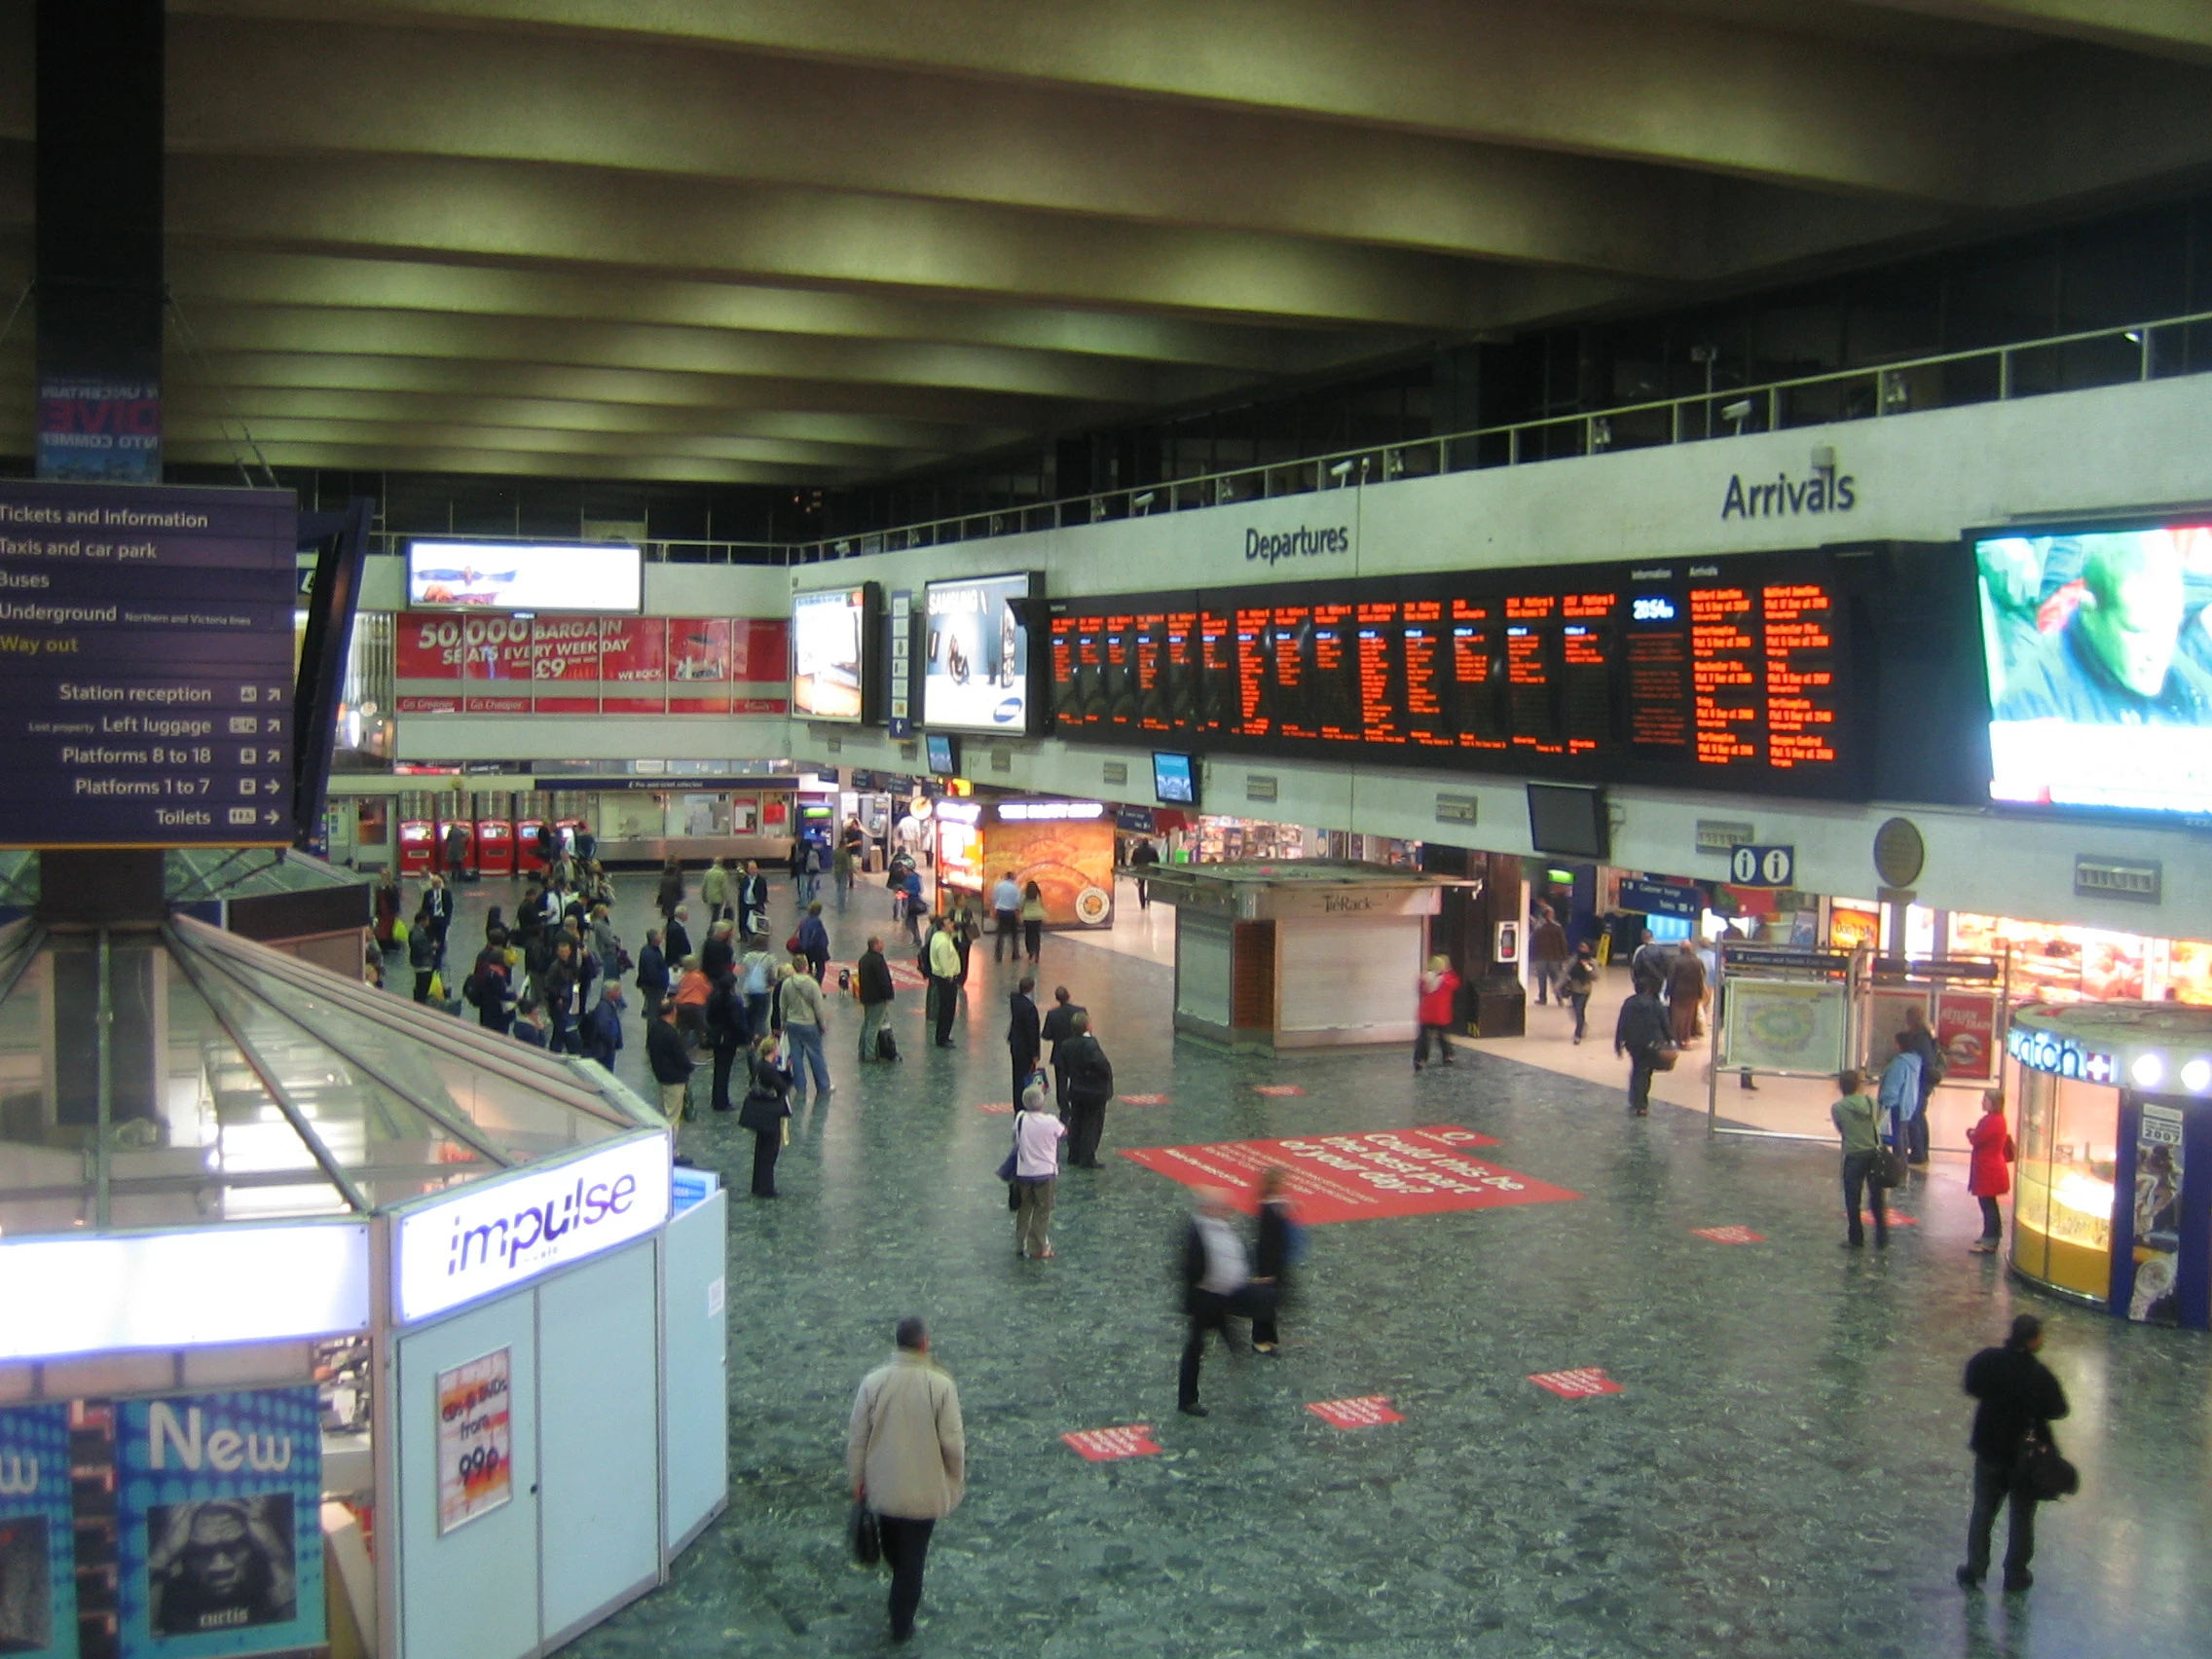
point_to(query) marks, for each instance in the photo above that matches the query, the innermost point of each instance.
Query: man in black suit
(678, 943)
(752, 900)
(1090, 1085)
(1059, 1028)
(1023, 1038)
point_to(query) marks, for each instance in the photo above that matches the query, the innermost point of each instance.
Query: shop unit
(1067, 847)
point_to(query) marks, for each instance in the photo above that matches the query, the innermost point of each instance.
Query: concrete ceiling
(816, 241)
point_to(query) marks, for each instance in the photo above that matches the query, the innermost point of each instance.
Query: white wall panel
(1203, 968)
(1348, 974)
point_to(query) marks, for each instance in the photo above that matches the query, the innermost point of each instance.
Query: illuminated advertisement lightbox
(976, 654)
(513, 575)
(2098, 644)
(831, 658)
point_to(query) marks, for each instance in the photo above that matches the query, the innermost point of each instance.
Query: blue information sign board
(145, 665)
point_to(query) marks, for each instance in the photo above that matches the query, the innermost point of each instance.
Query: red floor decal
(1004, 1108)
(1105, 1444)
(1277, 1090)
(1357, 1177)
(1730, 1235)
(1142, 1099)
(1899, 1220)
(1365, 1411)
(1577, 1384)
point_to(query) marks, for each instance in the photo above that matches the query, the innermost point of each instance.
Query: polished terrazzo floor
(1783, 1472)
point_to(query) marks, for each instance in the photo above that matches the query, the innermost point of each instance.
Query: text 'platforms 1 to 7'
(145, 665)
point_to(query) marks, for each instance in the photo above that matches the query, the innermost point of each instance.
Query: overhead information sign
(1726, 673)
(146, 665)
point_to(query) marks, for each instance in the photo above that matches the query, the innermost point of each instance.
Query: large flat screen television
(832, 667)
(976, 654)
(1174, 779)
(2098, 646)
(1569, 822)
(602, 577)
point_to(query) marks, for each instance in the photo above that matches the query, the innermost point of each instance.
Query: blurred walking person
(1438, 1009)
(1276, 1248)
(1641, 1033)
(1214, 1280)
(906, 1454)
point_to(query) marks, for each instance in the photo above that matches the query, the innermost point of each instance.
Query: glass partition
(2062, 1203)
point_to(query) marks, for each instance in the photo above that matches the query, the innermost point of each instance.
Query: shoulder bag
(860, 1530)
(1889, 1167)
(2046, 1475)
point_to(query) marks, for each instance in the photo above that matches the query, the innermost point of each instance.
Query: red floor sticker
(1730, 1235)
(1105, 1444)
(1899, 1220)
(1004, 1108)
(1142, 1099)
(1359, 1177)
(1577, 1384)
(1365, 1411)
(1277, 1090)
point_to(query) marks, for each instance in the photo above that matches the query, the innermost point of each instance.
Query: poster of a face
(38, 1597)
(475, 1439)
(218, 1503)
(975, 655)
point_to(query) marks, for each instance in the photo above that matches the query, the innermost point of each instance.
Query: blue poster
(38, 1567)
(219, 1521)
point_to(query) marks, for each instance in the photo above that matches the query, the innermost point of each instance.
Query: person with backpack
(813, 941)
(1277, 1247)
(876, 994)
(765, 1110)
(727, 1028)
(811, 868)
(1989, 1171)
(1090, 1085)
(1858, 1122)
(1929, 1053)
(2019, 1399)
(757, 971)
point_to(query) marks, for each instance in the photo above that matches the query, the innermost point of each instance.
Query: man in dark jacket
(675, 944)
(750, 895)
(1917, 1039)
(875, 992)
(653, 976)
(1090, 1085)
(490, 990)
(1024, 1039)
(438, 904)
(728, 1027)
(1547, 953)
(720, 953)
(2020, 1399)
(422, 950)
(1059, 1028)
(813, 941)
(1215, 1284)
(672, 1067)
(1640, 1033)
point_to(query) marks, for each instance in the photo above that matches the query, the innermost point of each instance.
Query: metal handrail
(1691, 418)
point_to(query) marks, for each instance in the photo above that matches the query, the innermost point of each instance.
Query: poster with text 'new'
(219, 1524)
(476, 1470)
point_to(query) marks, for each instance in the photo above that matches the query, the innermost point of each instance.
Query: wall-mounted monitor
(833, 662)
(976, 661)
(2098, 646)
(515, 575)
(1175, 779)
(1570, 822)
(940, 753)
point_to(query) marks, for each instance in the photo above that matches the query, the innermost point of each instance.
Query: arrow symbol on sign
(268, 817)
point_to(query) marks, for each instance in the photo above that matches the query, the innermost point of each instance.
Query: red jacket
(1439, 1006)
(1990, 1174)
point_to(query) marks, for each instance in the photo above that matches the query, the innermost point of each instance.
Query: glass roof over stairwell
(176, 1075)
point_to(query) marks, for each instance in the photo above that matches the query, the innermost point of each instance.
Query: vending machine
(417, 832)
(532, 809)
(495, 833)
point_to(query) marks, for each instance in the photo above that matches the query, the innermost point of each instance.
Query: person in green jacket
(1858, 1119)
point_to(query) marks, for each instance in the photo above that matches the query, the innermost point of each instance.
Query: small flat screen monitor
(941, 751)
(1174, 779)
(603, 577)
(1569, 822)
(2098, 644)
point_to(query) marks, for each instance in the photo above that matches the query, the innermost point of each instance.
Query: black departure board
(1723, 673)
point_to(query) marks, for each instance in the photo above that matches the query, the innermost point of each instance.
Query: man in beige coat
(906, 1454)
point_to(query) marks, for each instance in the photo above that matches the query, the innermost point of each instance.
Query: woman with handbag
(1857, 1121)
(1989, 1175)
(1037, 1137)
(766, 1111)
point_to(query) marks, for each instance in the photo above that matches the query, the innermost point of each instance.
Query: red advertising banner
(1356, 1177)
(633, 665)
(448, 664)
(1368, 1411)
(1966, 1025)
(1577, 1384)
(1105, 1444)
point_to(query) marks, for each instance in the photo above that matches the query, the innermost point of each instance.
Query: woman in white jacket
(1037, 1137)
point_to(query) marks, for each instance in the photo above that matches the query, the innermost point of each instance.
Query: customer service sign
(493, 1236)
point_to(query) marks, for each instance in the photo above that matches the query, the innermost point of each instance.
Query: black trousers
(1208, 1313)
(948, 995)
(1033, 938)
(1006, 922)
(1917, 1137)
(1996, 1483)
(1266, 1301)
(1992, 1221)
(422, 984)
(1859, 1171)
(905, 1551)
(725, 1056)
(1087, 1122)
(766, 1143)
(1443, 1035)
(1580, 1000)
(1640, 1079)
(1060, 1089)
(1024, 1069)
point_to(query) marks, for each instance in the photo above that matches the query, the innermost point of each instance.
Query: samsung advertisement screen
(976, 655)
(828, 637)
(2099, 650)
(1173, 783)
(513, 575)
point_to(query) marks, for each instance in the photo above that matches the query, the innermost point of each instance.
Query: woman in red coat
(1989, 1177)
(1439, 1006)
